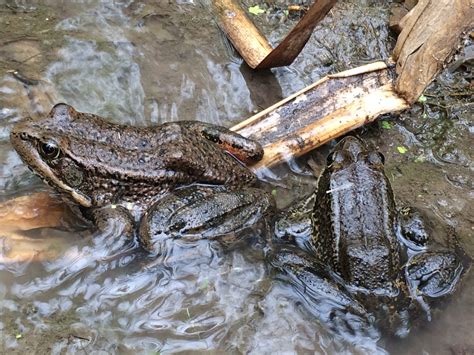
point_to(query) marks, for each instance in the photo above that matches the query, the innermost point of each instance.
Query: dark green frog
(167, 178)
(357, 249)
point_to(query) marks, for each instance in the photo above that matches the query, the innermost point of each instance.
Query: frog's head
(352, 150)
(43, 145)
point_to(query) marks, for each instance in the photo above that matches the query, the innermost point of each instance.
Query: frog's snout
(351, 145)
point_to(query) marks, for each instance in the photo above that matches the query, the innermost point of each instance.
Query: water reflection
(99, 73)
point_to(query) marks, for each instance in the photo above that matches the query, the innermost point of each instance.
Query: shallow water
(144, 62)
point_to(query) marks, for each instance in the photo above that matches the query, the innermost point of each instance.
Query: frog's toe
(434, 274)
(353, 326)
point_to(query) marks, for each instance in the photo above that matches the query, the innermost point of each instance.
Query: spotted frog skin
(357, 248)
(115, 171)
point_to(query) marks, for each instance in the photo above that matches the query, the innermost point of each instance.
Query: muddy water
(148, 62)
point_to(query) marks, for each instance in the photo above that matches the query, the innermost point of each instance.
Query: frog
(120, 174)
(349, 243)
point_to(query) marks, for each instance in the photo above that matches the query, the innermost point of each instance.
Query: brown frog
(115, 172)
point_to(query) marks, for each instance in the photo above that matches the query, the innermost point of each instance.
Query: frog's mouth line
(30, 156)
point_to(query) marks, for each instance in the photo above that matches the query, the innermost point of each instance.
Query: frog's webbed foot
(412, 229)
(203, 212)
(321, 295)
(294, 225)
(244, 149)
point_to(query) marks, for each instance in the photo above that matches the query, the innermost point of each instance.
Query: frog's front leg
(322, 296)
(244, 149)
(411, 229)
(203, 212)
(432, 270)
(436, 273)
(294, 224)
(433, 274)
(113, 223)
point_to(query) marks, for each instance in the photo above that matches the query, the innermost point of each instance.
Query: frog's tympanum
(179, 178)
(357, 250)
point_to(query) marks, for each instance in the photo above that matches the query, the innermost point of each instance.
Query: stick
(252, 44)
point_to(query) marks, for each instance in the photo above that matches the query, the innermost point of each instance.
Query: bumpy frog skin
(102, 166)
(354, 244)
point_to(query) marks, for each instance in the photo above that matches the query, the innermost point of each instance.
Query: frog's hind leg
(204, 212)
(321, 295)
(434, 274)
(294, 225)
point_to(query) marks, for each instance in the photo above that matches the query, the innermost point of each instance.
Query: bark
(37, 210)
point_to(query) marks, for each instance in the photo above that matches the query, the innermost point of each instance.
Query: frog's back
(354, 220)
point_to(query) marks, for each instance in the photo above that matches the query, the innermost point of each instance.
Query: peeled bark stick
(323, 111)
(430, 33)
(252, 44)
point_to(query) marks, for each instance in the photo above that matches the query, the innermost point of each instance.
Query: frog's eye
(49, 150)
(337, 159)
(376, 158)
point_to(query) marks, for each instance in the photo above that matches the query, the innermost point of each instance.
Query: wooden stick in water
(322, 111)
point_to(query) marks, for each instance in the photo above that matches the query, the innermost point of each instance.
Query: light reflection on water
(139, 63)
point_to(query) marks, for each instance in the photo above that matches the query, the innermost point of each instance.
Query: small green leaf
(256, 10)
(286, 13)
(402, 150)
(422, 99)
(386, 125)
(420, 159)
(274, 192)
(18, 336)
